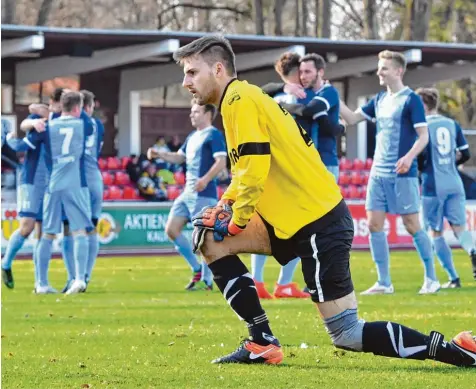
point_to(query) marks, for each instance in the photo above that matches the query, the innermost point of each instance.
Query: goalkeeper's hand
(217, 219)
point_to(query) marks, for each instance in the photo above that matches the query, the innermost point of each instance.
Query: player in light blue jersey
(93, 178)
(33, 181)
(402, 134)
(443, 190)
(204, 153)
(64, 141)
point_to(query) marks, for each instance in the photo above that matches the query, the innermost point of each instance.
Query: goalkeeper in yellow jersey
(283, 201)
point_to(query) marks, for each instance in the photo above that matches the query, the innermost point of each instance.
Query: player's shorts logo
(107, 228)
(9, 223)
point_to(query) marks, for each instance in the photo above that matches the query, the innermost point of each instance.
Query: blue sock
(466, 241)
(287, 272)
(183, 246)
(93, 254)
(257, 266)
(207, 275)
(443, 252)
(381, 256)
(35, 261)
(14, 245)
(68, 255)
(43, 256)
(422, 243)
(81, 251)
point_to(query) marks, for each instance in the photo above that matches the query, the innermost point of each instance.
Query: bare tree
(258, 16)
(8, 11)
(304, 17)
(417, 19)
(278, 16)
(317, 17)
(370, 20)
(44, 12)
(326, 18)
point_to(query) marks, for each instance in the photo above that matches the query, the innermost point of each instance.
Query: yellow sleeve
(254, 157)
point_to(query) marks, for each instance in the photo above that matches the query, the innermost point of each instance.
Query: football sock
(92, 255)
(43, 260)
(422, 243)
(394, 340)
(466, 241)
(15, 243)
(443, 252)
(287, 272)
(238, 288)
(207, 275)
(35, 261)
(257, 266)
(68, 256)
(81, 244)
(183, 246)
(381, 256)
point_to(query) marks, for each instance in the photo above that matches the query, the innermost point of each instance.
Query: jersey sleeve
(100, 128)
(218, 144)
(368, 110)
(33, 116)
(329, 97)
(461, 143)
(417, 111)
(33, 139)
(250, 170)
(88, 126)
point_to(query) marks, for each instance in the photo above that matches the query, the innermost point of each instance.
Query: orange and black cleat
(465, 342)
(289, 291)
(251, 352)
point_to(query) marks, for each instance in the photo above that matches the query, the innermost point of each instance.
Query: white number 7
(68, 133)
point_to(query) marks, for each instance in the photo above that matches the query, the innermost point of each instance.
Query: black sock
(397, 341)
(238, 288)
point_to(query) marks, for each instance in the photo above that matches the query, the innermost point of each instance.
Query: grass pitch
(137, 328)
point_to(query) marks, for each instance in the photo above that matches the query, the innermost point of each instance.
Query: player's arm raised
(169, 156)
(250, 170)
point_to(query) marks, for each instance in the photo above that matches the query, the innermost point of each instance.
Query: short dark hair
(56, 95)
(287, 63)
(212, 109)
(70, 100)
(430, 97)
(213, 48)
(319, 62)
(88, 97)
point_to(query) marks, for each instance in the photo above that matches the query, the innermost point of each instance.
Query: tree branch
(354, 15)
(246, 13)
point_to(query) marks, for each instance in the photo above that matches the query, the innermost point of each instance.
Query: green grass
(137, 328)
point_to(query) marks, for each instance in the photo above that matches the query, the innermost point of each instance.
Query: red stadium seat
(179, 178)
(107, 178)
(344, 191)
(125, 161)
(122, 178)
(358, 164)
(115, 193)
(113, 163)
(363, 192)
(368, 163)
(344, 178)
(345, 164)
(173, 191)
(356, 178)
(105, 194)
(365, 178)
(220, 190)
(131, 193)
(102, 164)
(354, 192)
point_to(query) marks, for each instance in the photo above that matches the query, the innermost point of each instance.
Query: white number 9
(443, 140)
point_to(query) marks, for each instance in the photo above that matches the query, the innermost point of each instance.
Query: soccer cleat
(261, 290)
(67, 286)
(290, 290)
(453, 284)
(430, 286)
(197, 275)
(473, 262)
(7, 278)
(251, 352)
(45, 290)
(378, 289)
(77, 286)
(202, 285)
(466, 343)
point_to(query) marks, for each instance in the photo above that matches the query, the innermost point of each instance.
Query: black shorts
(324, 248)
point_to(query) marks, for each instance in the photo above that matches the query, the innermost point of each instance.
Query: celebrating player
(402, 134)
(443, 191)
(204, 152)
(282, 201)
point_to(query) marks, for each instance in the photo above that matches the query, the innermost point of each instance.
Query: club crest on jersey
(10, 223)
(234, 97)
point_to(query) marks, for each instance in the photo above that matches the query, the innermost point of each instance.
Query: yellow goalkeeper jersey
(276, 168)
